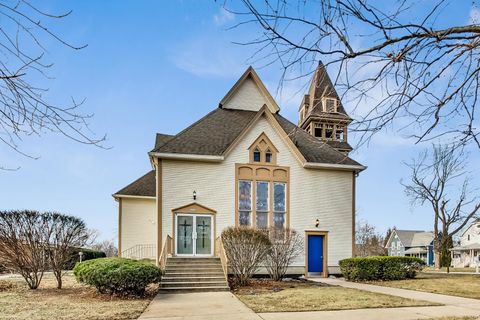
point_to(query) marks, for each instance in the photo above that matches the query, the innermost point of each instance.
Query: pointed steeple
(321, 112)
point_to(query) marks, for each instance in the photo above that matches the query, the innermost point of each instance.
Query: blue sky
(157, 66)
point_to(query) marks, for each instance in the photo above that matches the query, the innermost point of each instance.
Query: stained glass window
(262, 204)
(279, 204)
(244, 202)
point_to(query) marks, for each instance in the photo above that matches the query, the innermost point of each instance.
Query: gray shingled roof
(161, 139)
(143, 186)
(415, 238)
(321, 86)
(215, 132)
(211, 135)
(313, 149)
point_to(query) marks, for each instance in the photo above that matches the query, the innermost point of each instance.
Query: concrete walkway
(224, 305)
(198, 306)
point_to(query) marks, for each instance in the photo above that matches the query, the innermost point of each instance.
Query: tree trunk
(437, 246)
(58, 276)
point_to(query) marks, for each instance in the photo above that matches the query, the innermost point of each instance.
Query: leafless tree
(245, 249)
(440, 180)
(286, 246)
(24, 245)
(368, 241)
(66, 232)
(24, 108)
(418, 73)
(107, 246)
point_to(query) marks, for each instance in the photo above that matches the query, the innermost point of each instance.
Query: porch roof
(471, 246)
(416, 250)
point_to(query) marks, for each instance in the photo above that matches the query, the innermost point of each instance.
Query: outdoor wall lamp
(194, 195)
(317, 223)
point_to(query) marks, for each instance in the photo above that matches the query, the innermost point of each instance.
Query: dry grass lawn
(307, 296)
(432, 269)
(74, 301)
(467, 286)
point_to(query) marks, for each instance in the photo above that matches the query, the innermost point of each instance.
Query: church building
(244, 164)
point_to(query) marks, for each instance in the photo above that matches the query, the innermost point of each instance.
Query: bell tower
(321, 112)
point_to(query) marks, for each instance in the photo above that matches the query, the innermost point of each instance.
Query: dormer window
(268, 156)
(330, 105)
(256, 155)
(263, 151)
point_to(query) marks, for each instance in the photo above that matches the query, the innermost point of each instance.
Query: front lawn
(453, 270)
(467, 286)
(74, 301)
(269, 296)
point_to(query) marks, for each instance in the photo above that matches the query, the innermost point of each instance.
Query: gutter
(184, 156)
(116, 195)
(345, 167)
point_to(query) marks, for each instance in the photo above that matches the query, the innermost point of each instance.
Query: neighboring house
(245, 164)
(411, 243)
(467, 254)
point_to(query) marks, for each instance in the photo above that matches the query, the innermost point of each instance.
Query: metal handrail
(140, 251)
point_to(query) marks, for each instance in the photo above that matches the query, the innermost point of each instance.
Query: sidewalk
(198, 306)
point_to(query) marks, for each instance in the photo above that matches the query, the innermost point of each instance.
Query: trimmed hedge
(380, 268)
(88, 254)
(118, 276)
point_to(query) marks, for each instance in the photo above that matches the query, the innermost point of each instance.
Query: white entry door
(193, 235)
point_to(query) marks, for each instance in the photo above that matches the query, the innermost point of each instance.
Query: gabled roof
(414, 238)
(161, 139)
(142, 187)
(251, 74)
(217, 131)
(211, 135)
(321, 86)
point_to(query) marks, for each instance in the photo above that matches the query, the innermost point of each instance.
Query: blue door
(315, 253)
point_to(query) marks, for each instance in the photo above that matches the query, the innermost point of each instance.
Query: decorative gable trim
(194, 207)
(250, 73)
(263, 145)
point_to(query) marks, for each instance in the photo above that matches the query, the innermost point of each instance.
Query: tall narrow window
(262, 205)
(256, 155)
(318, 130)
(339, 133)
(244, 203)
(329, 132)
(268, 156)
(279, 205)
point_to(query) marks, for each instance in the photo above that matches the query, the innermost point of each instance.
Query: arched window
(268, 156)
(256, 155)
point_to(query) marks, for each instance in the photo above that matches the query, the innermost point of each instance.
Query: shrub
(285, 247)
(380, 268)
(88, 254)
(118, 276)
(245, 249)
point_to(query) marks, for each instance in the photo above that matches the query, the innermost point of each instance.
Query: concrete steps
(193, 275)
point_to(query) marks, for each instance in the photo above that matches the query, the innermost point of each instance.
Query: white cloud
(223, 16)
(208, 57)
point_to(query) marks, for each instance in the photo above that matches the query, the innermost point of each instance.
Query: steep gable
(249, 93)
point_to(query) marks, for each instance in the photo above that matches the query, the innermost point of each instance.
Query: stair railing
(140, 251)
(166, 251)
(222, 255)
